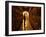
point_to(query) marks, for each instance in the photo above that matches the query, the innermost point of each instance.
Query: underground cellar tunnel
(26, 18)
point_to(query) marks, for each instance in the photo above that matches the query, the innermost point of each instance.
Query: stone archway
(26, 23)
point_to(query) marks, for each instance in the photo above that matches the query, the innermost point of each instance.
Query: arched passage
(26, 23)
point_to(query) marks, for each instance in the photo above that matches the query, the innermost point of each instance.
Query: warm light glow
(27, 25)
